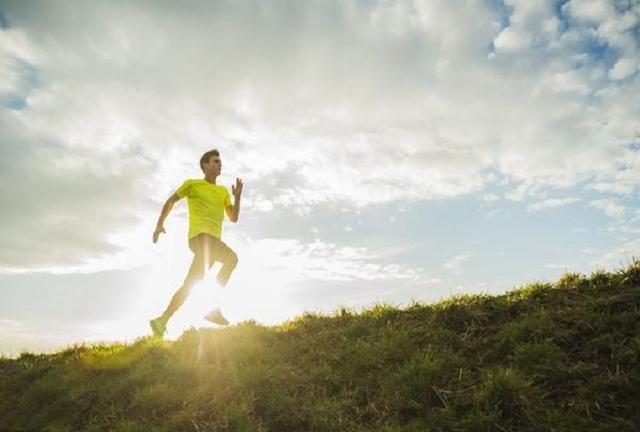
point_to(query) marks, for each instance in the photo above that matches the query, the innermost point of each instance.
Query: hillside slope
(561, 356)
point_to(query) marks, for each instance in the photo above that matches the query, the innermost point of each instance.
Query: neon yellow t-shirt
(206, 202)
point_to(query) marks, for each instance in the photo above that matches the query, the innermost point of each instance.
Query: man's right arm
(166, 209)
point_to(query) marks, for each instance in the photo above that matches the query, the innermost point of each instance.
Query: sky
(391, 151)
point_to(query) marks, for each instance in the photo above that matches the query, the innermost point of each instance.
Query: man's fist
(157, 233)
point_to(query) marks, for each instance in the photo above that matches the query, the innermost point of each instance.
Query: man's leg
(195, 275)
(199, 265)
(223, 253)
(229, 261)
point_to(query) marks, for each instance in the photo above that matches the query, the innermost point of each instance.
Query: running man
(207, 202)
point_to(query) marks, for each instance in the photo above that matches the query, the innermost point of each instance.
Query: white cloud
(621, 255)
(590, 11)
(531, 23)
(511, 40)
(610, 207)
(623, 68)
(297, 262)
(455, 262)
(490, 197)
(551, 203)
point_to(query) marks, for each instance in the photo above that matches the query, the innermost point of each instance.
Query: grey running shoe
(158, 326)
(216, 317)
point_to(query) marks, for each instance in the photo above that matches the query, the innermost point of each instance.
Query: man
(207, 202)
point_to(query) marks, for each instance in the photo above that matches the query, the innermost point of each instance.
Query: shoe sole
(222, 323)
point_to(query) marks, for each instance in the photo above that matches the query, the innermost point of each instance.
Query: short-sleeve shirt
(206, 203)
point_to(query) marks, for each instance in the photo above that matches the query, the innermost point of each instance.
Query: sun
(259, 289)
(256, 291)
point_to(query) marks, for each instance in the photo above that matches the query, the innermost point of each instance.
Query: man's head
(210, 162)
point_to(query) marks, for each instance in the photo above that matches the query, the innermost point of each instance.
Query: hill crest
(561, 356)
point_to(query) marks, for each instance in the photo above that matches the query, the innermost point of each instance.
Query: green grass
(544, 357)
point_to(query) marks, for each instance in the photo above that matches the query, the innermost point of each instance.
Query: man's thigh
(211, 248)
(219, 250)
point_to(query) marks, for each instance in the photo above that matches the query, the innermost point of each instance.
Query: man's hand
(157, 233)
(237, 189)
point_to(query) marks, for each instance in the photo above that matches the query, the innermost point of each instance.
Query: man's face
(214, 166)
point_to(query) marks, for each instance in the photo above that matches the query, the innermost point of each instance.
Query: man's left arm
(233, 211)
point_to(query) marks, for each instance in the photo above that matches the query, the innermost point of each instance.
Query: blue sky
(391, 151)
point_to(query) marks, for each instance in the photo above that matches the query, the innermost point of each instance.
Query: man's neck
(211, 178)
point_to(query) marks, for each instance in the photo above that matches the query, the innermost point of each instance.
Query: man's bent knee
(229, 263)
(232, 260)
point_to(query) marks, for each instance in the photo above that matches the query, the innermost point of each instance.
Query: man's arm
(233, 211)
(166, 209)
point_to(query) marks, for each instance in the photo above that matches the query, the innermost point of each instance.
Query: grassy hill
(563, 356)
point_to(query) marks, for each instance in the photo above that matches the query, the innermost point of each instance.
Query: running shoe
(158, 327)
(216, 317)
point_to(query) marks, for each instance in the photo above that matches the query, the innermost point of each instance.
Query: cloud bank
(107, 106)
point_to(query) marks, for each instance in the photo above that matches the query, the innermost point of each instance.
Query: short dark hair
(205, 157)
